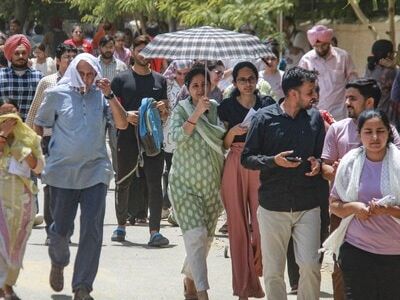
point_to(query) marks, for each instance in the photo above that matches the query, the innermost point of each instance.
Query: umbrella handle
(205, 79)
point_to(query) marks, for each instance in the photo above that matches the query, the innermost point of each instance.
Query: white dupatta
(347, 182)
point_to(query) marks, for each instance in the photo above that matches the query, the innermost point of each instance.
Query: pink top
(342, 137)
(334, 73)
(377, 234)
(123, 55)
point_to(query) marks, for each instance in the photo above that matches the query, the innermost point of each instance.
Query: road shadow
(43, 244)
(325, 295)
(139, 225)
(131, 244)
(61, 297)
(39, 227)
(221, 236)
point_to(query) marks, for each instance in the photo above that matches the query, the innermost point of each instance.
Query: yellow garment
(25, 141)
(17, 205)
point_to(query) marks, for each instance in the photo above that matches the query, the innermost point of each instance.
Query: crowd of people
(294, 149)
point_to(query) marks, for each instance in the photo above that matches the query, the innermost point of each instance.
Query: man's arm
(38, 129)
(37, 101)
(251, 155)
(46, 114)
(330, 154)
(118, 112)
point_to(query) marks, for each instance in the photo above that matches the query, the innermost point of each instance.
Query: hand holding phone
(284, 160)
(293, 158)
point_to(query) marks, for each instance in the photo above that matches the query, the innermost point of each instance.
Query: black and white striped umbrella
(205, 43)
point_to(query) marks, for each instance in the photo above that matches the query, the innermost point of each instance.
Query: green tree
(223, 13)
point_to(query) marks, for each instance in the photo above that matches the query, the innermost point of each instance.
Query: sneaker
(172, 221)
(82, 293)
(158, 240)
(57, 278)
(118, 235)
(38, 220)
(164, 213)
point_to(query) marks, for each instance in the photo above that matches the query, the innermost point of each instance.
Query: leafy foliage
(230, 14)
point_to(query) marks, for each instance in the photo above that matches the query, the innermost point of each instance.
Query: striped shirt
(45, 83)
(19, 88)
(113, 68)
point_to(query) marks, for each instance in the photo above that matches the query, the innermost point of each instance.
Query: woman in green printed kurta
(195, 178)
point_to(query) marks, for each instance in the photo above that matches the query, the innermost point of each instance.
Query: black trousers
(168, 164)
(369, 276)
(127, 155)
(138, 204)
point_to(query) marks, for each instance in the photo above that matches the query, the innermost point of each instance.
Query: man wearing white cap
(335, 68)
(78, 169)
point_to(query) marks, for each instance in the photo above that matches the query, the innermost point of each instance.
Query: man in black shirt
(131, 87)
(285, 143)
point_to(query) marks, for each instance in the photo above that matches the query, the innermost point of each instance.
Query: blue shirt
(77, 151)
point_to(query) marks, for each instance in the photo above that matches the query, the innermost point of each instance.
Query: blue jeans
(64, 205)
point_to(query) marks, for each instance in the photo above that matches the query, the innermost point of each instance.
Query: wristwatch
(110, 96)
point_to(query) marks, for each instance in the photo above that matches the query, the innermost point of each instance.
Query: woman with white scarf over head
(366, 194)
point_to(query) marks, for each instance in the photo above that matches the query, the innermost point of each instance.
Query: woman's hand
(377, 209)
(387, 62)
(361, 211)
(238, 130)
(315, 166)
(203, 105)
(7, 127)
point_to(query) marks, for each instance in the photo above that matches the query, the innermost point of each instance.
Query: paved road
(132, 271)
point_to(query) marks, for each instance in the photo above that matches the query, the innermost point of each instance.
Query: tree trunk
(21, 10)
(361, 16)
(142, 23)
(392, 30)
(172, 24)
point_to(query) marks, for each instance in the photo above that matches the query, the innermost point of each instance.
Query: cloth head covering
(13, 42)
(72, 77)
(175, 65)
(319, 33)
(380, 49)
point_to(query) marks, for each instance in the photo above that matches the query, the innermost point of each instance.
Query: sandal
(189, 289)
(57, 278)
(158, 240)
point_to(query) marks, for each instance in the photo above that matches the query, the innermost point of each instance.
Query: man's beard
(20, 64)
(323, 53)
(141, 62)
(107, 55)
